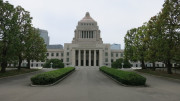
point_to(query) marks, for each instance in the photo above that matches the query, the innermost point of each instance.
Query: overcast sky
(114, 17)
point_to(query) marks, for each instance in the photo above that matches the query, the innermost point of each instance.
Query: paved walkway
(88, 84)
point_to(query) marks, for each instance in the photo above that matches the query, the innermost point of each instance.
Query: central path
(88, 84)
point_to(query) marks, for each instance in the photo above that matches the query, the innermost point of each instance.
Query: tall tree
(7, 33)
(153, 40)
(141, 44)
(135, 44)
(23, 25)
(171, 28)
(129, 39)
(35, 47)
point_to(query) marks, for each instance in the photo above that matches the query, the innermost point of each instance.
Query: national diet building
(87, 48)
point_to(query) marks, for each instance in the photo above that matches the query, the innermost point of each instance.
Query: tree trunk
(19, 63)
(169, 67)
(154, 68)
(4, 58)
(28, 65)
(3, 66)
(143, 64)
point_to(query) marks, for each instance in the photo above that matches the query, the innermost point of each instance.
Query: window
(47, 54)
(67, 48)
(36, 65)
(62, 54)
(111, 54)
(67, 53)
(106, 48)
(31, 65)
(122, 54)
(116, 54)
(67, 60)
(57, 54)
(106, 54)
(112, 60)
(62, 60)
(41, 65)
(52, 54)
(106, 60)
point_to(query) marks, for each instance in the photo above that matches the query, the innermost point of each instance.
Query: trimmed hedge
(51, 76)
(125, 77)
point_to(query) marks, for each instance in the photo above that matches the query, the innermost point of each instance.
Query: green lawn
(160, 73)
(16, 72)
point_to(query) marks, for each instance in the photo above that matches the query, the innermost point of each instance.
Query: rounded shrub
(56, 63)
(118, 63)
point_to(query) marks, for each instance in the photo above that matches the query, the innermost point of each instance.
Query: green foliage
(35, 47)
(50, 77)
(157, 40)
(128, 78)
(136, 44)
(118, 63)
(7, 33)
(56, 63)
(18, 39)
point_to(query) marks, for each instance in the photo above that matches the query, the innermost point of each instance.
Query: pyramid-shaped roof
(87, 18)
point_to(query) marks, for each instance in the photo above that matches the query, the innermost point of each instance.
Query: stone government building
(87, 48)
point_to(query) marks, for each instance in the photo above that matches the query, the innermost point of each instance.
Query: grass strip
(16, 72)
(160, 73)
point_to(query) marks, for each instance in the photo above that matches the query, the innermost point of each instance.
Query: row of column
(86, 34)
(89, 60)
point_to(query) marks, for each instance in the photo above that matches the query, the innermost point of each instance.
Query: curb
(54, 82)
(120, 82)
(19, 74)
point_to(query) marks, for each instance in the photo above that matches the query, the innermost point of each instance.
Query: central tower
(87, 48)
(87, 31)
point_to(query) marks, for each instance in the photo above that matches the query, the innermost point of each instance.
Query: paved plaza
(88, 84)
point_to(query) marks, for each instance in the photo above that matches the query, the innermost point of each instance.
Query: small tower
(87, 31)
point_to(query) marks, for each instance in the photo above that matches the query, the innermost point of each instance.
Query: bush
(128, 78)
(51, 76)
(118, 63)
(56, 63)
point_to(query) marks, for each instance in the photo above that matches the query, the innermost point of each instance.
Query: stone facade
(87, 47)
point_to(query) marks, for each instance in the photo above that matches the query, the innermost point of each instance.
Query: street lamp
(51, 64)
(122, 64)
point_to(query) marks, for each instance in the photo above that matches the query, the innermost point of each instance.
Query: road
(88, 84)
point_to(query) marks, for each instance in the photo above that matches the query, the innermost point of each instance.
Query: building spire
(87, 14)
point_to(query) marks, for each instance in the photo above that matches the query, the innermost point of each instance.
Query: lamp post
(122, 65)
(51, 64)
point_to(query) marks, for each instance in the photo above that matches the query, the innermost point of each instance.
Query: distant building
(44, 35)
(115, 46)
